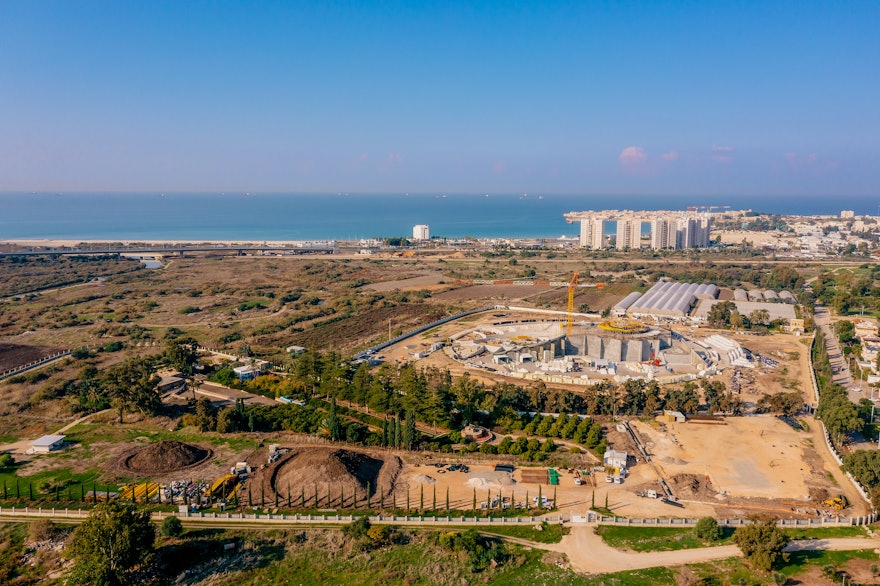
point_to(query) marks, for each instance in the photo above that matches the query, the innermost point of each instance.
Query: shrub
(41, 530)
(114, 346)
(379, 534)
(188, 309)
(357, 528)
(762, 543)
(171, 527)
(81, 353)
(6, 460)
(707, 529)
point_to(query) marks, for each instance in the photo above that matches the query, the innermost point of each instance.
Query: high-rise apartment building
(592, 233)
(421, 232)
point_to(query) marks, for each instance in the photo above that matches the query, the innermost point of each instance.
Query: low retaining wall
(591, 518)
(31, 365)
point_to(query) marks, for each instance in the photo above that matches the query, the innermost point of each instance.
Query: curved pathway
(589, 554)
(22, 446)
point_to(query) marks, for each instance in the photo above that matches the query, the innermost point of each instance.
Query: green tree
(112, 546)
(332, 422)
(182, 354)
(719, 314)
(6, 460)
(762, 543)
(707, 529)
(206, 415)
(132, 386)
(171, 527)
(409, 430)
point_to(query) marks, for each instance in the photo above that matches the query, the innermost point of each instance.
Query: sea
(321, 216)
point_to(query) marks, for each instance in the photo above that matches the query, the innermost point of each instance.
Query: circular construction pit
(334, 471)
(162, 457)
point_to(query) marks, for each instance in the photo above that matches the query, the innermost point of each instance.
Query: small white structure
(47, 443)
(249, 372)
(295, 350)
(615, 459)
(421, 232)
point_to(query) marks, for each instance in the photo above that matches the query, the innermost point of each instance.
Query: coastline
(73, 243)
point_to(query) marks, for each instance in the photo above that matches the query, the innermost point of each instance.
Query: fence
(590, 518)
(31, 365)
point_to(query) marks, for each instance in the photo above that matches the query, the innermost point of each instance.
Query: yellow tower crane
(572, 285)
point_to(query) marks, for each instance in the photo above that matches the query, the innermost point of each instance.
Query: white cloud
(632, 156)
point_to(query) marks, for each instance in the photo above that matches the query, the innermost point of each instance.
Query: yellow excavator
(838, 503)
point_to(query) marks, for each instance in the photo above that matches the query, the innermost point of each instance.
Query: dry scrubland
(748, 466)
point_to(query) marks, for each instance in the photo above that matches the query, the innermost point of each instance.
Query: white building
(421, 232)
(660, 234)
(629, 234)
(623, 235)
(615, 459)
(47, 443)
(592, 233)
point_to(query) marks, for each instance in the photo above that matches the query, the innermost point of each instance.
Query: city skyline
(553, 98)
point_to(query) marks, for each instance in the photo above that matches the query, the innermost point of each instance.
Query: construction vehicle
(138, 492)
(837, 503)
(223, 486)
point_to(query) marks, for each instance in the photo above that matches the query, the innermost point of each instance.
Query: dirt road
(587, 552)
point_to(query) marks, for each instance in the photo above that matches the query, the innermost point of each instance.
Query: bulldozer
(838, 503)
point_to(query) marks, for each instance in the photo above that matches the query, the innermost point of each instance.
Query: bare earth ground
(15, 355)
(751, 463)
(430, 281)
(589, 554)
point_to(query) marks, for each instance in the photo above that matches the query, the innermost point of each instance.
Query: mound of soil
(165, 456)
(690, 486)
(334, 471)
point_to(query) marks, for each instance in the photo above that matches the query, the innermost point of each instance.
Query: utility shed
(247, 372)
(615, 458)
(47, 443)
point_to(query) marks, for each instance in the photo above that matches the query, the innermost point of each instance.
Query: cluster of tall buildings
(668, 229)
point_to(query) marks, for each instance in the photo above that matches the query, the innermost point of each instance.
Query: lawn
(62, 477)
(799, 560)
(656, 538)
(827, 532)
(551, 532)
(673, 538)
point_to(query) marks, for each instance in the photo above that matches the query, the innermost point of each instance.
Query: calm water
(234, 216)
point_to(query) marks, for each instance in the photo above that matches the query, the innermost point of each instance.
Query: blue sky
(555, 97)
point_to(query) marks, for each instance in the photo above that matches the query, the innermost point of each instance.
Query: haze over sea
(303, 216)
